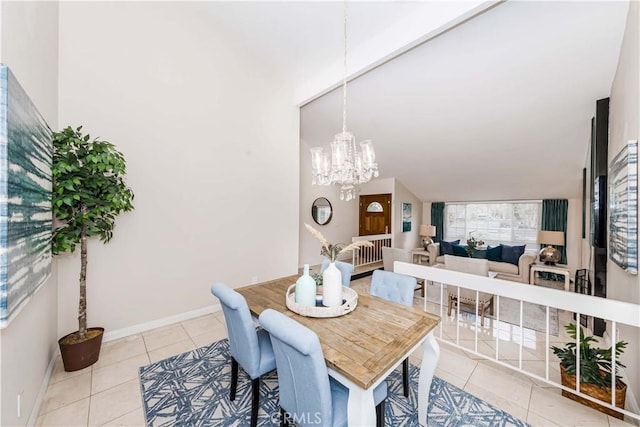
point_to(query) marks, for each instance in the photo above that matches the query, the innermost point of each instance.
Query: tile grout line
(107, 423)
(184, 329)
(145, 345)
(529, 405)
(70, 403)
(90, 396)
(470, 374)
(110, 388)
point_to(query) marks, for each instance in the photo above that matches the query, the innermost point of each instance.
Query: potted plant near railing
(595, 371)
(89, 191)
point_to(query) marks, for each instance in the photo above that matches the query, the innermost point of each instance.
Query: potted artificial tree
(595, 371)
(89, 191)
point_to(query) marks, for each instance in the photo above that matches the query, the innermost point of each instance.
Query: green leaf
(595, 363)
(88, 174)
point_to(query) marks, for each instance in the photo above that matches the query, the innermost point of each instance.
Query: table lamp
(427, 232)
(550, 255)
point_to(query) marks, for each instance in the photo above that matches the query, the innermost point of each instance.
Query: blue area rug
(192, 389)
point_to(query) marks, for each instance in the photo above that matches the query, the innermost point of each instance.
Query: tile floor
(108, 393)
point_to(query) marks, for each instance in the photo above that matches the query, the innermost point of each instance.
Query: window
(512, 223)
(375, 207)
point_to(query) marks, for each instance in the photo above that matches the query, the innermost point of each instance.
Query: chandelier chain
(344, 77)
(345, 165)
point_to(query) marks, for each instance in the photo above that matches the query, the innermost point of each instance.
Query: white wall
(623, 126)
(211, 142)
(426, 213)
(409, 239)
(29, 46)
(378, 186)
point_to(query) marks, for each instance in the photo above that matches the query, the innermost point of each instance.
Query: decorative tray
(349, 303)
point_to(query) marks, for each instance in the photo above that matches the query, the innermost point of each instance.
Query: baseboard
(631, 404)
(147, 326)
(35, 411)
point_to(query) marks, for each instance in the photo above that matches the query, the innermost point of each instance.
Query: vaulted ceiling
(495, 107)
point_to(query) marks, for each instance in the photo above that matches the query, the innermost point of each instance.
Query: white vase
(331, 286)
(306, 289)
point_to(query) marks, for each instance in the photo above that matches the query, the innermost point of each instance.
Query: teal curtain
(554, 218)
(437, 219)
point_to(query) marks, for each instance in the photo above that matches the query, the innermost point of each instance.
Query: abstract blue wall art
(623, 208)
(25, 198)
(406, 217)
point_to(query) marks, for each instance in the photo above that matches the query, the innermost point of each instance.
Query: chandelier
(346, 165)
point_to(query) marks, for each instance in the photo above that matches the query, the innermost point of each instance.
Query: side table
(557, 269)
(420, 254)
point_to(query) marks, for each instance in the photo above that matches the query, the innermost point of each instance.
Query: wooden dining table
(363, 347)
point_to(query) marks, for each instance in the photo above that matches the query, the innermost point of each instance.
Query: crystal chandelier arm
(368, 155)
(316, 158)
(326, 165)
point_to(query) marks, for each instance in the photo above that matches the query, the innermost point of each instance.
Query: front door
(375, 214)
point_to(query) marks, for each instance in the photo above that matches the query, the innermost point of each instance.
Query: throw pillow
(511, 254)
(460, 250)
(446, 248)
(494, 253)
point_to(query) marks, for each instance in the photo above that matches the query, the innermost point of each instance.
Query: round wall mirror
(321, 211)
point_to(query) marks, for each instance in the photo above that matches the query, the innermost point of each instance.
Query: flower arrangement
(333, 251)
(472, 243)
(318, 278)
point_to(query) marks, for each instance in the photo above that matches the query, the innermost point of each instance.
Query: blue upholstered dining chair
(397, 288)
(345, 268)
(250, 348)
(304, 383)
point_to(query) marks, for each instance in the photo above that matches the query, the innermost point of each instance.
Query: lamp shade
(428, 230)
(546, 237)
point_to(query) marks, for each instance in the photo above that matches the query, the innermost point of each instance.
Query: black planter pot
(79, 355)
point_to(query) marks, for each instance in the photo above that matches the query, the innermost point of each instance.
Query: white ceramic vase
(306, 289)
(331, 286)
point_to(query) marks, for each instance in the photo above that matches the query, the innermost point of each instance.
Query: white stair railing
(614, 312)
(370, 255)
